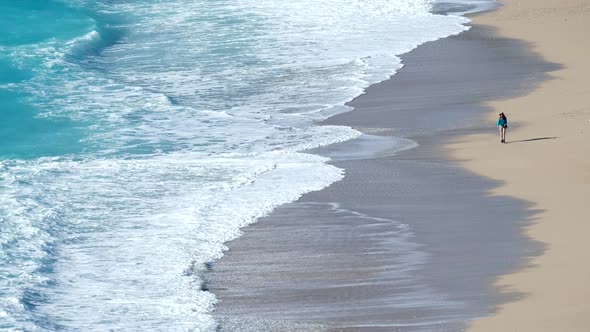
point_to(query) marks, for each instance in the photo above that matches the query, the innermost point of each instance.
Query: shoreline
(546, 163)
(296, 266)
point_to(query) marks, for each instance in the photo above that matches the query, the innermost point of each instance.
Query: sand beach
(546, 162)
(459, 233)
(295, 166)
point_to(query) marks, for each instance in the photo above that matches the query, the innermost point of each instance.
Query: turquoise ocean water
(137, 137)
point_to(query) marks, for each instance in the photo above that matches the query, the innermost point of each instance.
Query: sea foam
(168, 126)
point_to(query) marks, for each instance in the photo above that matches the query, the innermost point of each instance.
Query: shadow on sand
(532, 139)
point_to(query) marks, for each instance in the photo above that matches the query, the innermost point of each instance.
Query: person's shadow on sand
(532, 139)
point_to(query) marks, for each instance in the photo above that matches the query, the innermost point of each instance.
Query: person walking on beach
(502, 125)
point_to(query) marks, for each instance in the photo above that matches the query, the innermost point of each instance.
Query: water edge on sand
(408, 241)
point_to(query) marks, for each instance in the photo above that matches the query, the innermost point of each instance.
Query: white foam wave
(128, 229)
(90, 36)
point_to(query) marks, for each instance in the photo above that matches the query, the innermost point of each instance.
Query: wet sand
(409, 240)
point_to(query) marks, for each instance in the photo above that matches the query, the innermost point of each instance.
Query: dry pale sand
(547, 162)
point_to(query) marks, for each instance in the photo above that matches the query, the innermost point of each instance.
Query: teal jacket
(502, 122)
